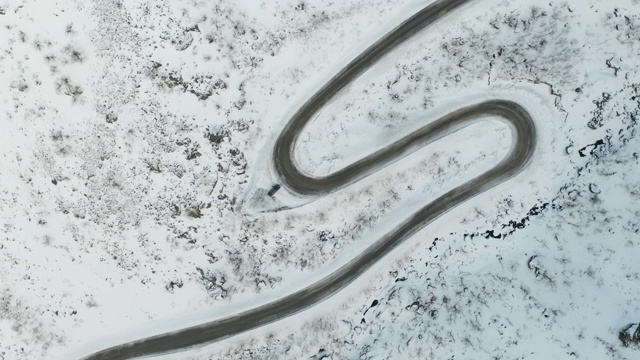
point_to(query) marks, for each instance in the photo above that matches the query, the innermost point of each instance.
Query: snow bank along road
(524, 140)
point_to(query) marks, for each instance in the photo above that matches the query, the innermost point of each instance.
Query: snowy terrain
(134, 135)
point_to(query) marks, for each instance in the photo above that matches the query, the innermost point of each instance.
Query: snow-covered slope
(134, 134)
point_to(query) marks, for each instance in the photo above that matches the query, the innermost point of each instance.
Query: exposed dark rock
(594, 146)
(630, 335)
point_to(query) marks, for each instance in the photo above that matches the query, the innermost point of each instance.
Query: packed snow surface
(134, 136)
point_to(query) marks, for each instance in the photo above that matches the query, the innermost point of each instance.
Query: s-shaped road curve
(524, 140)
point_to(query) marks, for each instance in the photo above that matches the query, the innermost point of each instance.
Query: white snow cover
(135, 141)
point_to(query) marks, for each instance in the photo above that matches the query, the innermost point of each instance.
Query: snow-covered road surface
(523, 146)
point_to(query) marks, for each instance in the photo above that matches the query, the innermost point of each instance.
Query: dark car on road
(274, 189)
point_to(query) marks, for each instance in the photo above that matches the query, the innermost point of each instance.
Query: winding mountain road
(523, 146)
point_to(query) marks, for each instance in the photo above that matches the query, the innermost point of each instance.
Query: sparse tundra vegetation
(134, 133)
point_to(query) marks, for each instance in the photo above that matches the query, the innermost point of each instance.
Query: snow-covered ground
(133, 135)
